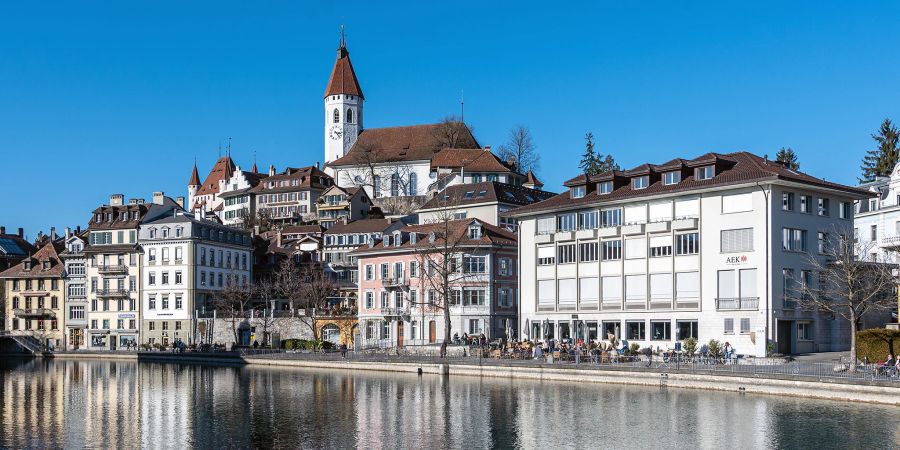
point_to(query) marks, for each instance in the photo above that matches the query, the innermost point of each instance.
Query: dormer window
(605, 187)
(387, 241)
(178, 232)
(577, 192)
(474, 231)
(705, 172)
(46, 265)
(26, 265)
(640, 182)
(152, 233)
(470, 194)
(165, 232)
(412, 238)
(670, 178)
(398, 240)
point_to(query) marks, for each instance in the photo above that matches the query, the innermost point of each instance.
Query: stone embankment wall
(280, 328)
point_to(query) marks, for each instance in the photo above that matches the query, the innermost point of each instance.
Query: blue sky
(120, 97)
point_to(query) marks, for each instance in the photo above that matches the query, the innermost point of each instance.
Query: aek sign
(736, 260)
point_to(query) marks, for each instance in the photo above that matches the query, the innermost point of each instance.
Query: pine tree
(588, 162)
(879, 162)
(788, 157)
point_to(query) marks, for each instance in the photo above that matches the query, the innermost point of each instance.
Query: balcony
(737, 304)
(633, 228)
(889, 242)
(395, 282)
(685, 223)
(38, 313)
(657, 227)
(394, 312)
(115, 268)
(609, 231)
(112, 293)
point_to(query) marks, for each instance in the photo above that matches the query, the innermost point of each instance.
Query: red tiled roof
(299, 229)
(307, 178)
(360, 226)
(222, 170)
(343, 78)
(531, 179)
(741, 167)
(456, 229)
(469, 159)
(195, 177)
(488, 191)
(394, 144)
(48, 252)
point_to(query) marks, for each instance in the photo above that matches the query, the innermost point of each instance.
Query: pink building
(402, 304)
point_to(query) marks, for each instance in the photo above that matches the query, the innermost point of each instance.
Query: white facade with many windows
(703, 248)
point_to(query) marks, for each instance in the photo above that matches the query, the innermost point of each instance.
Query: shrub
(715, 348)
(634, 348)
(876, 343)
(689, 346)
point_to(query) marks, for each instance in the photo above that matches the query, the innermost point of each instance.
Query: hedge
(306, 344)
(876, 343)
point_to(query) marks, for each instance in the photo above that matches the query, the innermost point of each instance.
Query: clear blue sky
(119, 97)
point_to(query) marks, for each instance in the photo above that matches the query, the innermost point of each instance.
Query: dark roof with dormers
(469, 159)
(343, 78)
(307, 178)
(117, 223)
(49, 252)
(397, 144)
(736, 168)
(457, 230)
(361, 226)
(485, 192)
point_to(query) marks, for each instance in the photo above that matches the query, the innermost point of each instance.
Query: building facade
(76, 301)
(238, 202)
(707, 248)
(487, 201)
(35, 288)
(290, 197)
(185, 260)
(402, 296)
(342, 205)
(13, 248)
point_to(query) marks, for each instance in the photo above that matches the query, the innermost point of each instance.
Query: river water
(103, 404)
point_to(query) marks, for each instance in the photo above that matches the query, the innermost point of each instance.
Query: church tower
(193, 185)
(343, 106)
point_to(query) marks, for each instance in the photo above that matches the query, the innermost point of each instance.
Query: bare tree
(306, 288)
(520, 149)
(265, 291)
(378, 172)
(233, 303)
(850, 284)
(262, 219)
(451, 132)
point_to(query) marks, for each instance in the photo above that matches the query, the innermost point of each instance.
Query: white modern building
(877, 220)
(702, 248)
(185, 260)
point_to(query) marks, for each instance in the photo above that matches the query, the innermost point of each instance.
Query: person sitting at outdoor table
(538, 352)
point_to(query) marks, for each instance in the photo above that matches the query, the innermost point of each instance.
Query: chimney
(132, 201)
(180, 201)
(2, 230)
(158, 198)
(271, 170)
(278, 238)
(53, 233)
(116, 199)
(78, 230)
(487, 148)
(68, 232)
(317, 164)
(21, 232)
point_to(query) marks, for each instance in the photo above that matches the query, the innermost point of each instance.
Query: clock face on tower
(335, 132)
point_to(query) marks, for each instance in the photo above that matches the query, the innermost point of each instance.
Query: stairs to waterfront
(26, 342)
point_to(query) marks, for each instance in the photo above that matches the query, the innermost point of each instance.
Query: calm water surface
(102, 404)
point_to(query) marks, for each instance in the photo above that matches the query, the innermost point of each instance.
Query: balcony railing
(393, 312)
(395, 282)
(741, 303)
(112, 293)
(113, 268)
(889, 241)
(37, 313)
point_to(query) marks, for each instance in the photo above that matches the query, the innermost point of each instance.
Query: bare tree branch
(520, 149)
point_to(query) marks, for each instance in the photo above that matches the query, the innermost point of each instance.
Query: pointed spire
(195, 177)
(343, 78)
(255, 170)
(531, 181)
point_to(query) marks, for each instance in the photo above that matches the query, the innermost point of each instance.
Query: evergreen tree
(606, 163)
(588, 162)
(879, 162)
(788, 157)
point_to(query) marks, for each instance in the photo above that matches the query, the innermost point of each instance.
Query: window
(546, 256)
(793, 240)
(76, 312)
(384, 271)
(395, 185)
(370, 272)
(660, 331)
(660, 246)
(565, 222)
(687, 285)
(336, 116)
(565, 254)
(505, 267)
(610, 217)
(611, 250)
(589, 220)
(636, 288)
(605, 187)
(546, 294)
(413, 269)
(370, 300)
(376, 186)
(745, 325)
(671, 177)
(151, 255)
(165, 278)
(735, 203)
(804, 203)
(151, 278)
(705, 173)
(822, 242)
(635, 248)
(474, 231)
(412, 187)
(685, 329)
(165, 325)
(687, 244)
(661, 287)
(546, 225)
(804, 331)
(739, 240)
(165, 301)
(640, 182)
(846, 209)
(589, 251)
(728, 326)
(577, 192)
(873, 233)
(473, 297)
(178, 302)
(178, 277)
(634, 331)
(823, 207)
(504, 298)
(473, 264)
(787, 201)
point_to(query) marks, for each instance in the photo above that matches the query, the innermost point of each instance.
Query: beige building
(290, 196)
(342, 205)
(35, 288)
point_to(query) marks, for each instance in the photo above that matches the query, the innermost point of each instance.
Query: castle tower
(193, 185)
(343, 107)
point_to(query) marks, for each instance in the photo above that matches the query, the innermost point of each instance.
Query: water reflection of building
(166, 408)
(112, 408)
(26, 400)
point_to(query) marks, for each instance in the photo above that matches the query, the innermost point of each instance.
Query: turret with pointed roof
(195, 177)
(343, 78)
(343, 106)
(531, 181)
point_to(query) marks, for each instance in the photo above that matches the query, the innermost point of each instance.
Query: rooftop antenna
(462, 106)
(343, 41)
(220, 149)
(229, 147)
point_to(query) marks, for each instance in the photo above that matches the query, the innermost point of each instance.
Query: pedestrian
(343, 350)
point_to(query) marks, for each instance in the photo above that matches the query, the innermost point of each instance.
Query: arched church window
(337, 115)
(413, 182)
(349, 116)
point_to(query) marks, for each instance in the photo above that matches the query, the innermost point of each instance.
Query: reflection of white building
(702, 248)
